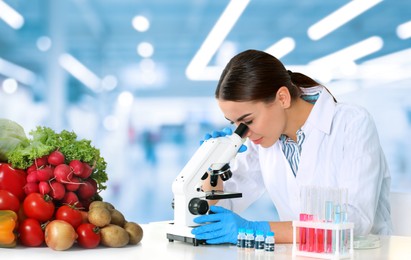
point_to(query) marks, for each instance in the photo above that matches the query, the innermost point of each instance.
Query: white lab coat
(341, 149)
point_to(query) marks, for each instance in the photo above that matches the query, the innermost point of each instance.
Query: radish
(31, 169)
(73, 185)
(57, 190)
(93, 183)
(86, 171)
(40, 161)
(32, 178)
(70, 198)
(56, 158)
(77, 167)
(63, 173)
(44, 187)
(44, 174)
(88, 189)
(31, 187)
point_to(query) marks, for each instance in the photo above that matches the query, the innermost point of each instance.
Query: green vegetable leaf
(11, 135)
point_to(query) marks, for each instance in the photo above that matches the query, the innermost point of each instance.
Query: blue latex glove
(224, 225)
(224, 132)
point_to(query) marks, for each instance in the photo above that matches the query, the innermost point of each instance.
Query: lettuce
(11, 135)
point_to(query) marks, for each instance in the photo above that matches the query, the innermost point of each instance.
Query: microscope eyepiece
(241, 130)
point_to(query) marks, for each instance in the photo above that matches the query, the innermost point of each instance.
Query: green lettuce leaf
(11, 135)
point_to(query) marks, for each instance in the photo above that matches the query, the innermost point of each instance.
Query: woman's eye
(248, 122)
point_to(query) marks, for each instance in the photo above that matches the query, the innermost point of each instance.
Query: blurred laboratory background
(138, 77)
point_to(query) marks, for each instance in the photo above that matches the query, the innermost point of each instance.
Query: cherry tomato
(31, 233)
(9, 201)
(38, 206)
(88, 235)
(69, 214)
(12, 180)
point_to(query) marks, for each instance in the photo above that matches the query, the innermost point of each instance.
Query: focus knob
(198, 206)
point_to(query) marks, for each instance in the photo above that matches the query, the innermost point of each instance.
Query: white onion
(59, 235)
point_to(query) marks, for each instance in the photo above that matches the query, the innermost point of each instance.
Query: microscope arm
(212, 155)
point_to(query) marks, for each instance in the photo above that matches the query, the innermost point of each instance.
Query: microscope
(211, 159)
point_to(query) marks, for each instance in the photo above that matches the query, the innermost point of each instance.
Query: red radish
(32, 178)
(70, 198)
(73, 185)
(31, 169)
(40, 161)
(87, 190)
(44, 174)
(93, 182)
(86, 171)
(56, 158)
(63, 173)
(44, 187)
(57, 190)
(31, 187)
(77, 167)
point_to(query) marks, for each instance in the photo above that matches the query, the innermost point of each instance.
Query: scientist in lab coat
(298, 135)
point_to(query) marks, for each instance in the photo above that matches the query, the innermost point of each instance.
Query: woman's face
(266, 122)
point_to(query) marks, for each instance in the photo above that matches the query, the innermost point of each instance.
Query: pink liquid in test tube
(319, 246)
(310, 235)
(302, 236)
(320, 212)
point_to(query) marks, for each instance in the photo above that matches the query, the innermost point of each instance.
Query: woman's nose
(248, 134)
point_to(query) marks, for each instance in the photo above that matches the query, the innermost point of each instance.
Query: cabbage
(11, 135)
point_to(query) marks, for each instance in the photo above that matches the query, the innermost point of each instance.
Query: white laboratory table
(155, 245)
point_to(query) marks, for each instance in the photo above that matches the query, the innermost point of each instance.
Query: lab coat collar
(321, 115)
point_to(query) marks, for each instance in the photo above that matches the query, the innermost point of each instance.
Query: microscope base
(182, 234)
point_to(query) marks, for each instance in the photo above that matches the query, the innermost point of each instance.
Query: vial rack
(336, 228)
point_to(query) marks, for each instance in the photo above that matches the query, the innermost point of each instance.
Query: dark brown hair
(256, 76)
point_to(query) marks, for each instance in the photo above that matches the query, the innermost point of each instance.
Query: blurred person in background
(298, 135)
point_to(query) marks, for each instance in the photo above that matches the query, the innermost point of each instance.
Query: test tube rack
(338, 228)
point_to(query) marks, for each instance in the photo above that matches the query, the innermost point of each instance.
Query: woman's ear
(284, 97)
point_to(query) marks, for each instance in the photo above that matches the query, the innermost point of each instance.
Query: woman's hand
(221, 226)
(225, 131)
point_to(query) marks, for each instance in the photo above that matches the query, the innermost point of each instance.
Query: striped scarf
(292, 150)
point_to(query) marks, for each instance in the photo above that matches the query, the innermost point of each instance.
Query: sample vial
(249, 239)
(259, 240)
(241, 238)
(269, 245)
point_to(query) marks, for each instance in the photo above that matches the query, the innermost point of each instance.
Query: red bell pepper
(13, 180)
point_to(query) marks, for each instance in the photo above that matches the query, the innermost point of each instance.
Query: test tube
(303, 217)
(329, 208)
(344, 219)
(319, 232)
(310, 217)
(337, 218)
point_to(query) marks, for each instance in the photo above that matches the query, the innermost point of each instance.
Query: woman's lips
(258, 141)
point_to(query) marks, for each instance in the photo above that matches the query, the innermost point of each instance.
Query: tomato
(9, 201)
(88, 235)
(12, 180)
(84, 215)
(38, 206)
(31, 233)
(69, 214)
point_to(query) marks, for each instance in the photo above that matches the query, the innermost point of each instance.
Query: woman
(298, 135)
